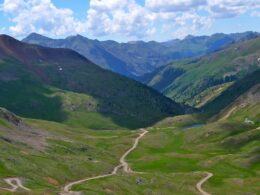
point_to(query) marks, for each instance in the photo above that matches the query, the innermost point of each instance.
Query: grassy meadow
(172, 159)
(69, 154)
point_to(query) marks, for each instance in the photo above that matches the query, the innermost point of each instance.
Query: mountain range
(137, 58)
(61, 85)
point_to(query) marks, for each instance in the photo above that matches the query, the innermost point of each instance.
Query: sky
(128, 20)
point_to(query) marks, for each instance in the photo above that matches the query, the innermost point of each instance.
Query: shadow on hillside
(125, 102)
(31, 100)
(122, 102)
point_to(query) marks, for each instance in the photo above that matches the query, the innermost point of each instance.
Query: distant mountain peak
(77, 36)
(36, 36)
(189, 37)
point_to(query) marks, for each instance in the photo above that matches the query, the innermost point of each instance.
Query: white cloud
(174, 5)
(105, 5)
(12, 5)
(190, 23)
(231, 8)
(39, 16)
(123, 17)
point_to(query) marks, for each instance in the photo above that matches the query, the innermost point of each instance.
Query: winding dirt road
(201, 182)
(123, 164)
(15, 183)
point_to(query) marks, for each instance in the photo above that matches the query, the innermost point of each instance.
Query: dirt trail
(15, 183)
(201, 182)
(123, 164)
(228, 114)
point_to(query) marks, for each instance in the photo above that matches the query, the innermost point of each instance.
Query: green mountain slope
(61, 85)
(242, 93)
(185, 81)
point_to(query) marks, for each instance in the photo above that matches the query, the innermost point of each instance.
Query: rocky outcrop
(10, 117)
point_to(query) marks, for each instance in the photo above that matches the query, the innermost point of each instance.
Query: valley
(123, 165)
(178, 161)
(68, 126)
(132, 97)
(210, 159)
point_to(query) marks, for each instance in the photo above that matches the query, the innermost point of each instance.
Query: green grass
(205, 148)
(198, 76)
(172, 159)
(209, 94)
(3, 123)
(71, 154)
(156, 183)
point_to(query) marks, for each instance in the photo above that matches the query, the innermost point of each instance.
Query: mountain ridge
(136, 58)
(85, 47)
(40, 82)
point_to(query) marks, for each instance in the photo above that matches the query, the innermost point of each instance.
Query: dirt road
(123, 164)
(15, 183)
(201, 182)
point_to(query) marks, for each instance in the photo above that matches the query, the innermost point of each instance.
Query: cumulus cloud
(174, 5)
(123, 17)
(231, 8)
(12, 5)
(39, 16)
(133, 20)
(190, 23)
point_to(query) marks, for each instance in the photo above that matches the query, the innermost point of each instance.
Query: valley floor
(175, 157)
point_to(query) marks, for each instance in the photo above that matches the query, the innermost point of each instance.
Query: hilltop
(61, 85)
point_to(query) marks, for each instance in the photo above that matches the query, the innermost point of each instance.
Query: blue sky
(125, 20)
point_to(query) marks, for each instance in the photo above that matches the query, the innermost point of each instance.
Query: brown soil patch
(51, 181)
